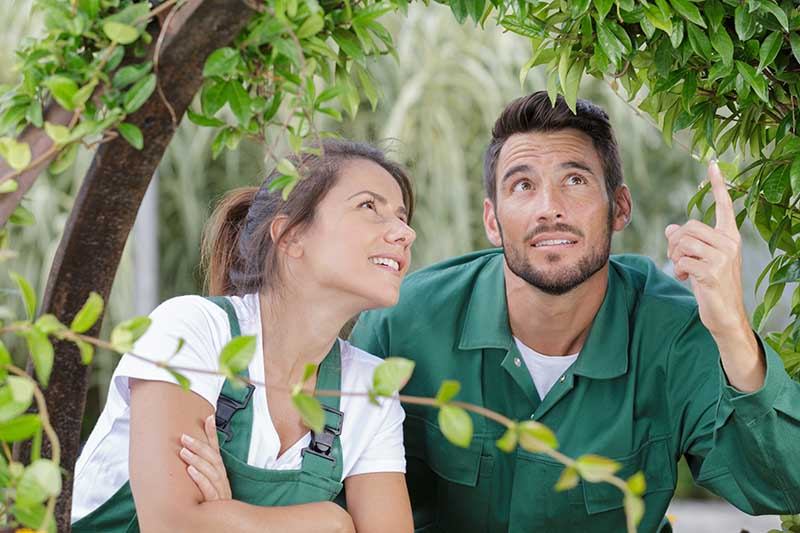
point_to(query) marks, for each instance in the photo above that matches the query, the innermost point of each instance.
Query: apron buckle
(226, 408)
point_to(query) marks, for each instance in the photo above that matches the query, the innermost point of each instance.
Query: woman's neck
(298, 328)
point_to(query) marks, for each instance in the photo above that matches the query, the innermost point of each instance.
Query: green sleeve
(370, 334)
(743, 447)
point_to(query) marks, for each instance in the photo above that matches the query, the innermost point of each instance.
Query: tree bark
(105, 209)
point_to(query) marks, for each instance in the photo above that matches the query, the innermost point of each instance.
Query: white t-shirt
(545, 369)
(371, 438)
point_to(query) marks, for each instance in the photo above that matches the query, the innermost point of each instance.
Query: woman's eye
(576, 180)
(523, 185)
(369, 204)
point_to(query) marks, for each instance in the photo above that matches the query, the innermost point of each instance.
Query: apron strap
(323, 456)
(234, 398)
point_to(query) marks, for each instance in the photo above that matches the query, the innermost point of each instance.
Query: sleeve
(370, 334)
(743, 447)
(385, 452)
(203, 330)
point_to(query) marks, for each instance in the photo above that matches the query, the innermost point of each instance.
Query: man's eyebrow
(576, 164)
(516, 169)
(380, 199)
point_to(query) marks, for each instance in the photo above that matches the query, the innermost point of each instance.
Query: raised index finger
(726, 217)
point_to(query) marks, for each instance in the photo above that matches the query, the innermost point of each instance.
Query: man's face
(552, 214)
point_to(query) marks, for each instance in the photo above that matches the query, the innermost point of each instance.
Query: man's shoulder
(658, 298)
(455, 272)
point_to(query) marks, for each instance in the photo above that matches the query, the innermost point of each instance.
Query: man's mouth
(553, 242)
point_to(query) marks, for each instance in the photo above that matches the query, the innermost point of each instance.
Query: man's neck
(550, 324)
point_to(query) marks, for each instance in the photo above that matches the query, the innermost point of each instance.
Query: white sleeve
(385, 452)
(204, 328)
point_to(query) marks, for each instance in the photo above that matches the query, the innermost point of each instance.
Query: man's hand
(711, 259)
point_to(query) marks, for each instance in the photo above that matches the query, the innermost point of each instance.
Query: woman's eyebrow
(380, 199)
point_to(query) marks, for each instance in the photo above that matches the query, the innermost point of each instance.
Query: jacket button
(562, 379)
(533, 416)
(517, 362)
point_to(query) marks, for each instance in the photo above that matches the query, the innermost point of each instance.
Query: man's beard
(568, 277)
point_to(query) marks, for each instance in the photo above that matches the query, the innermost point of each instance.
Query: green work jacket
(646, 389)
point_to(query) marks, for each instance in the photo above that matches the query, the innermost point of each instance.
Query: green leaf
(202, 120)
(744, 23)
(609, 43)
(8, 186)
(15, 397)
(87, 351)
(794, 40)
(22, 217)
(212, 97)
(508, 442)
(182, 380)
(63, 90)
(603, 7)
(689, 11)
(131, 74)
(239, 101)
(58, 133)
(723, 44)
(391, 375)
(769, 49)
(41, 480)
(637, 483)
(88, 314)
(447, 391)
(572, 84)
(65, 159)
(49, 324)
(311, 26)
(536, 437)
(5, 360)
(33, 516)
(139, 93)
(569, 479)
(120, 33)
(634, 507)
(778, 13)
(595, 468)
(222, 62)
(42, 354)
(237, 354)
(126, 333)
(17, 154)
(20, 428)
(753, 79)
(27, 292)
(456, 425)
(310, 411)
(286, 167)
(132, 134)
(794, 175)
(699, 41)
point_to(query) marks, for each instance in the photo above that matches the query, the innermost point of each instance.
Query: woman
(293, 273)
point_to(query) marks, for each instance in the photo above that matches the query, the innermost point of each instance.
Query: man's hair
(534, 113)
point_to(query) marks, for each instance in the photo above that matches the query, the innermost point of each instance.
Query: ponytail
(220, 246)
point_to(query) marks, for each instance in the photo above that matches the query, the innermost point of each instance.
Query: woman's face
(359, 243)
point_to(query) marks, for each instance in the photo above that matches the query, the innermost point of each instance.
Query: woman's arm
(167, 499)
(378, 502)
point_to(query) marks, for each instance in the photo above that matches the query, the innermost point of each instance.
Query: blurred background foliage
(439, 99)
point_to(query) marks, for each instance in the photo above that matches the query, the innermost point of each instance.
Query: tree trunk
(105, 210)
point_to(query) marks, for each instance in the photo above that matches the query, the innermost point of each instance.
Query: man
(614, 356)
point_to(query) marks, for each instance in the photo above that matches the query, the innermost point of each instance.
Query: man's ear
(490, 223)
(287, 242)
(623, 207)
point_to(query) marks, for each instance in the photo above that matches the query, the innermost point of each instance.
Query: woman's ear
(286, 241)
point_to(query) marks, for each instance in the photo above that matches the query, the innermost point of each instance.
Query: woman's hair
(239, 253)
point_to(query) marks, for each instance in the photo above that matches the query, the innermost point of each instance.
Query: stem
(48, 429)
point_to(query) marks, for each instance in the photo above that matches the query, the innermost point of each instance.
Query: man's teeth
(391, 263)
(552, 242)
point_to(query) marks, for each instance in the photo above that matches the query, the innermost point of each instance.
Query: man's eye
(523, 185)
(576, 179)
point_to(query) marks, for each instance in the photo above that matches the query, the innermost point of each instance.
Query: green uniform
(318, 479)
(646, 389)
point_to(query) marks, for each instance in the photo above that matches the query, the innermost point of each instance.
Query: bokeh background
(439, 98)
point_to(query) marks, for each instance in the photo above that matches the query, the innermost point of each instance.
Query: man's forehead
(567, 143)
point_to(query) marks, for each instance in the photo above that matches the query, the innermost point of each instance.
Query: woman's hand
(204, 463)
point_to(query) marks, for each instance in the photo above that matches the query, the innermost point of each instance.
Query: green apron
(318, 479)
